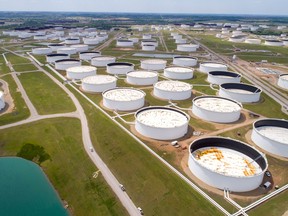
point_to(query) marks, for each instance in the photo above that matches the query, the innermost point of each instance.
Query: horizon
(245, 7)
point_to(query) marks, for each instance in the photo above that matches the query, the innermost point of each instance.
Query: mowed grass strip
(14, 59)
(24, 67)
(20, 110)
(148, 182)
(47, 97)
(70, 169)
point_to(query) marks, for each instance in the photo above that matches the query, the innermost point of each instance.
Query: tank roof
(179, 69)
(123, 94)
(81, 69)
(170, 85)
(142, 74)
(161, 117)
(217, 104)
(99, 79)
(154, 61)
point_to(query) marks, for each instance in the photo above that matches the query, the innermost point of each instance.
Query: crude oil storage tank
(91, 41)
(187, 47)
(216, 109)
(51, 58)
(67, 50)
(42, 51)
(185, 61)
(283, 81)
(88, 55)
(149, 42)
(55, 47)
(162, 123)
(220, 77)
(226, 163)
(80, 47)
(148, 47)
(79, 72)
(206, 67)
(172, 90)
(243, 93)
(123, 99)
(146, 36)
(72, 41)
(237, 39)
(153, 64)
(253, 41)
(142, 77)
(98, 83)
(274, 43)
(179, 73)
(66, 63)
(119, 67)
(102, 61)
(180, 41)
(124, 43)
(2, 100)
(271, 135)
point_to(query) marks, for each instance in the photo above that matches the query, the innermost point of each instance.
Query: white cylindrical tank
(274, 43)
(80, 47)
(179, 73)
(88, 55)
(98, 83)
(283, 81)
(2, 100)
(124, 43)
(51, 58)
(67, 50)
(42, 51)
(149, 42)
(172, 90)
(220, 77)
(206, 67)
(148, 47)
(135, 40)
(180, 41)
(102, 61)
(216, 109)
(185, 61)
(123, 99)
(142, 77)
(153, 64)
(237, 39)
(162, 123)
(79, 72)
(147, 36)
(175, 37)
(243, 93)
(226, 163)
(119, 67)
(71, 41)
(253, 41)
(66, 63)
(187, 47)
(55, 47)
(271, 135)
(91, 41)
(285, 42)
(40, 37)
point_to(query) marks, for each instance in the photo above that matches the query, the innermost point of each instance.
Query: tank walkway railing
(120, 117)
(34, 59)
(227, 197)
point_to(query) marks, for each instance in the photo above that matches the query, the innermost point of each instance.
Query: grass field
(3, 67)
(20, 111)
(70, 169)
(47, 97)
(14, 59)
(24, 67)
(148, 182)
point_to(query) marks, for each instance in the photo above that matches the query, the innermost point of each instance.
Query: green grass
(24, 67)
(47, 97)
(4, 69)
(20, 110)
(276, 206)
(14, 59)
(70, 169)
(149, 183)
(266, 107)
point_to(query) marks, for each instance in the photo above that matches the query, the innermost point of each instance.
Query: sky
(252, 7)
